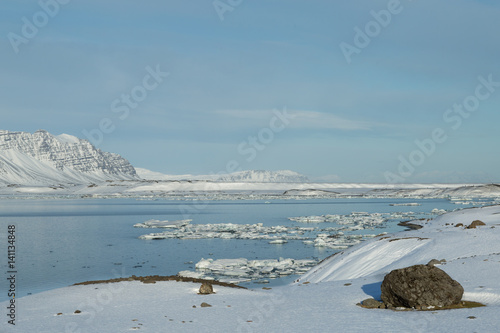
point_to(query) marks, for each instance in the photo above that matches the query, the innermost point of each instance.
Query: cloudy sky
(350, 91)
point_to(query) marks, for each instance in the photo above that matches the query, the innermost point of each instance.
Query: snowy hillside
(42, 158)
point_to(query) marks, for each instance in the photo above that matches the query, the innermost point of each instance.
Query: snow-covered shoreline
(211, 190)
(323, 299)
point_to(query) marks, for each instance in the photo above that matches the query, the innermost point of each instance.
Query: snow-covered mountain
(249, 176)
(263, 176)
(42, 158)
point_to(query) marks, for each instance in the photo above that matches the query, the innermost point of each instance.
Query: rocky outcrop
(475, 224)
(420, 286)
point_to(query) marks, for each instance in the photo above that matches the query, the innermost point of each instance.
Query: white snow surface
(324, 300)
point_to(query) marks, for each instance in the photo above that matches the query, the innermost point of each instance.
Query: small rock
(459, 225)
(475, 223)
(434, 262)
(471, 317)
(78, 311)
(59, 314)
(372, 303)
(206, 289)
(205, 305)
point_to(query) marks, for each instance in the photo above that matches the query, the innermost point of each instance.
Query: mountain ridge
(43, 158)
(247, 176)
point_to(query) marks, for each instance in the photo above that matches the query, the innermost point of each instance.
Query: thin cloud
(304, 119)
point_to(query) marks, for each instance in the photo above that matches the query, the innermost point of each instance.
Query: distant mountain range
(248, 176)
(41, 158)
(262, 176)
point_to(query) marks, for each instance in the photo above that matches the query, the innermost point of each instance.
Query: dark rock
(206, 289)
(409, 225)
(475, 223)
(419, 286)
(372, 303)
(205, 305)
(459, 225)
(434, 262)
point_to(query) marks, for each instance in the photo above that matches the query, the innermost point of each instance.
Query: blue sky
(354, 116)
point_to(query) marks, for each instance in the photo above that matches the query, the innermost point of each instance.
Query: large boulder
(420, 286)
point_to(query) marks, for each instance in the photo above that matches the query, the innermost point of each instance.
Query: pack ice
(242, 270)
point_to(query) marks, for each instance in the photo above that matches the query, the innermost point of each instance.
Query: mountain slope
(42, 158)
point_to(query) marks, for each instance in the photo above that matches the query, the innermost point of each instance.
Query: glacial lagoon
(60, 242)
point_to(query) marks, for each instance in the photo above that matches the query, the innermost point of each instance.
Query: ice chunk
(278, 241)
(162, 224)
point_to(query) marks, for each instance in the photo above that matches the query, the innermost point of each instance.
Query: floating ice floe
(337, 236)
(406, 204)
(242, 270)
(438, 211)
(162, 224)
(356, 218)
(338, 241)
(232, 231)
(278, 241)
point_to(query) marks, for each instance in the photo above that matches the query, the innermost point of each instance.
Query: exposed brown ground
(155, 278)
